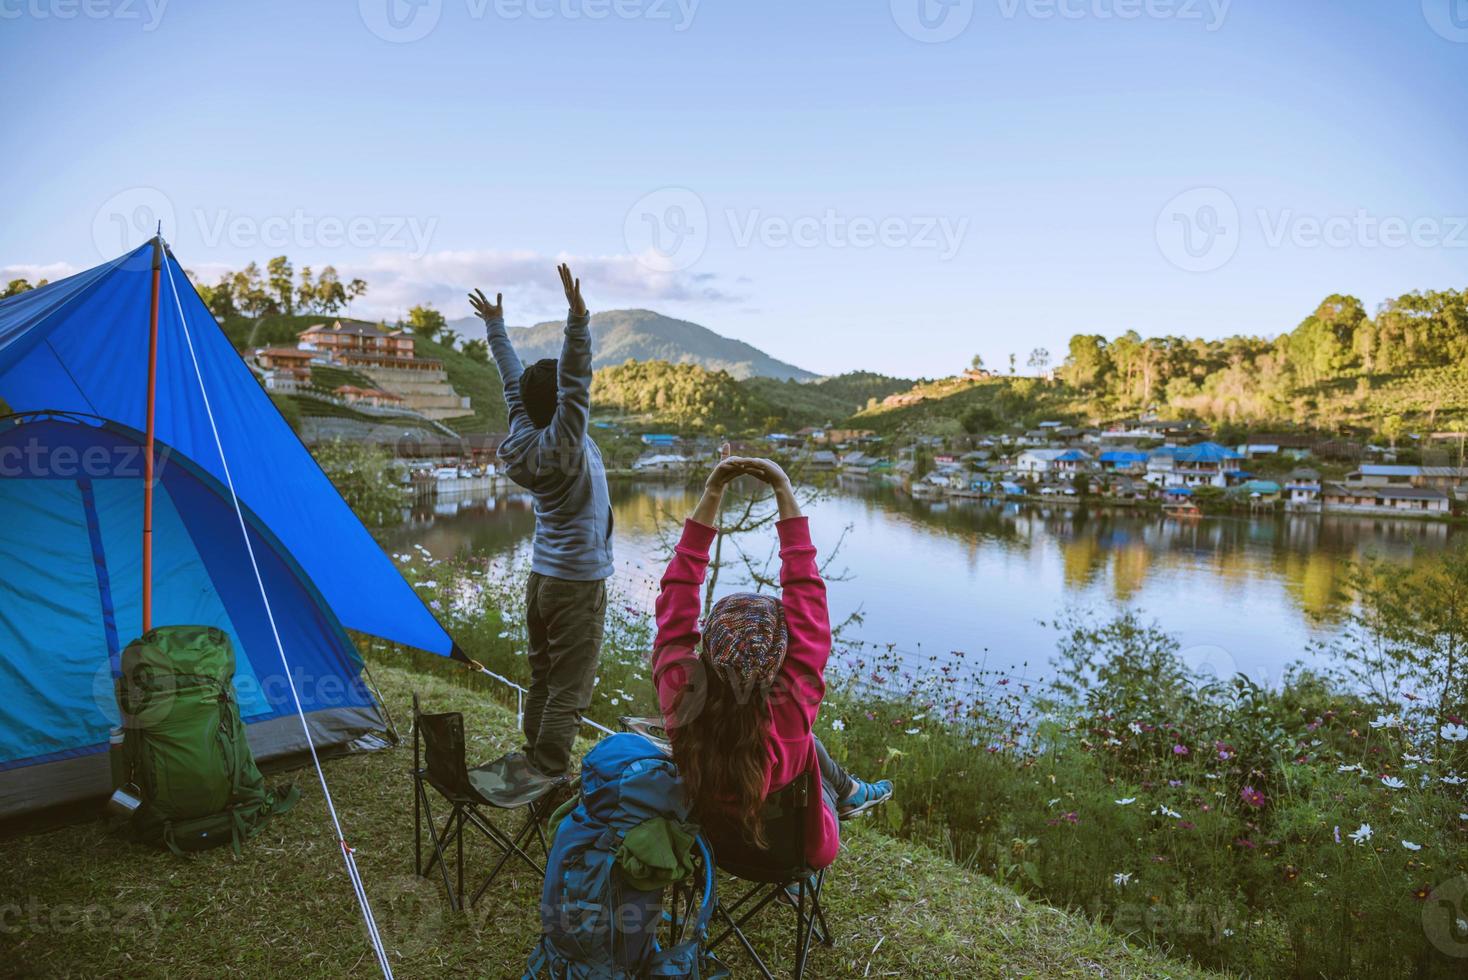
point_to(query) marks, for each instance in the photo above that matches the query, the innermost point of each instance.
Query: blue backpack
(603, 901)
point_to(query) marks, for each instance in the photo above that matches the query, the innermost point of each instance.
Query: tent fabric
(81, 345)
(73, 371)
(71, 546)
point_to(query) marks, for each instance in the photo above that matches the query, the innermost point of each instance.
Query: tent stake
(148, 448)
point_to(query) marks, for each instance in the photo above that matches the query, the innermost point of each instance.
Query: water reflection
(981, 576)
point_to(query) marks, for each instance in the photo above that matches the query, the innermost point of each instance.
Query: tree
(250, 294)
(448, 338)
(367, 478)
(331, 295)
(476, 350)
(426, 322)
(977, 363)
(281, 277)
(1088, 363)
(1011, 363)
(356, 289)
(16, 287)
(306, 291)
(1039, 359)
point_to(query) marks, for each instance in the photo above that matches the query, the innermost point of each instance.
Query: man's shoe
(863, 797)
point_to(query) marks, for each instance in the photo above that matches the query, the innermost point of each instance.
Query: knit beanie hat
(745, 633)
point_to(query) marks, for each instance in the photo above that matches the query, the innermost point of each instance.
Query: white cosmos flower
(1453, 780)
(1361, 834)
(1134, 728)
(1126, 802)
(1455, 733)
(1386, 721)
(1351, 768)
(1411, 846)
(1392, 782)
(913, 731)
(1163, 809)
(1122, 878)
(838, 725)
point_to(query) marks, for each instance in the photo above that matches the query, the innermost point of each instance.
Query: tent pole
(148, 447)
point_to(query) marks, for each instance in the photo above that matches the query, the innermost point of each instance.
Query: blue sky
(839, 183)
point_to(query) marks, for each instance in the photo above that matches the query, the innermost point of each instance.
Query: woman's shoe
(863, 797)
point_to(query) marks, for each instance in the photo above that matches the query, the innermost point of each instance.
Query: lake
(1248, 594)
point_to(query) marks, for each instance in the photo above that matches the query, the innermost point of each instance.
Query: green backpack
(184, 747)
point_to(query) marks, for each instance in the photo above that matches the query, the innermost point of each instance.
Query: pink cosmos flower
(1253, 797)
(1179, 749)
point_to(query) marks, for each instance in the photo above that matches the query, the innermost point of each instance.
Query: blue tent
(73, 378)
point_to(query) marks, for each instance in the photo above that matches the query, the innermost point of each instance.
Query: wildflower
(1386, 721)
(1392, 782)
(1186, 825)
(1121, 879)
(1291, 872)
(1361, 834)
(1166, 812)
(1225, 751)
(1453, 780)
(1179, 749)
(1134, 728)
(1174, 783)
(1126, 802)
(1455, 733)
(838, 725)
(1350, 768)
(1053, 802)
(1253, 797)
(1411, 846)
(1337, 832)
(914, 731)
(1246, 844)
(1422, 892)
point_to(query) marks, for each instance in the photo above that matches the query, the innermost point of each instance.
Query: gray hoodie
(559, 464)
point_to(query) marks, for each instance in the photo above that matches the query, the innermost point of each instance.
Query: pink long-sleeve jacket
(796, 696)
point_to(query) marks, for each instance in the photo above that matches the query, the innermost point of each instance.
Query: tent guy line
(348, 855)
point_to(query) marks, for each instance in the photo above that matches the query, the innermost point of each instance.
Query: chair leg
(510, 846)
(738, 933)
(438, 849)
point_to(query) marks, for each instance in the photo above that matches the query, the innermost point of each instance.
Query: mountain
(642, 335)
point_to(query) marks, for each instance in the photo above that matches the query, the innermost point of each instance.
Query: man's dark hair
(538, 390)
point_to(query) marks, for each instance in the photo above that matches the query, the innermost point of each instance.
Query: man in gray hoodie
(549, 453)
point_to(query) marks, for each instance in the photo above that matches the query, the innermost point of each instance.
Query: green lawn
(77, 902)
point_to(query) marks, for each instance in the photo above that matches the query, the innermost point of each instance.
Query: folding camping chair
(508, 783)
(779, 874)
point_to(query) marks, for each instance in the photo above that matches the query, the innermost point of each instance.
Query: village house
(388, 359)
(1205, 465)
(286, 364)
(376, 397)
(1302, 490)
(661, 440)
(1053, 463)
(1363, 498)
(661, 463)
(1124, 461)
(1381, 475)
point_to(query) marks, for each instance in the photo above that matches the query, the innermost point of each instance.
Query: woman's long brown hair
(720, 750)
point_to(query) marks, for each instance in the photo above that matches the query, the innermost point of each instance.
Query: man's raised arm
(505, 358)
(574, 379)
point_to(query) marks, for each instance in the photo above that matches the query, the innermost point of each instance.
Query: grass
(77, 902)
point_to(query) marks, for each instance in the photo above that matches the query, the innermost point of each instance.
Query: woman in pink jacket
(739, 706)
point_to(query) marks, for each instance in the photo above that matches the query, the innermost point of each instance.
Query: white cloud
(35, 273)
(528, 280)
